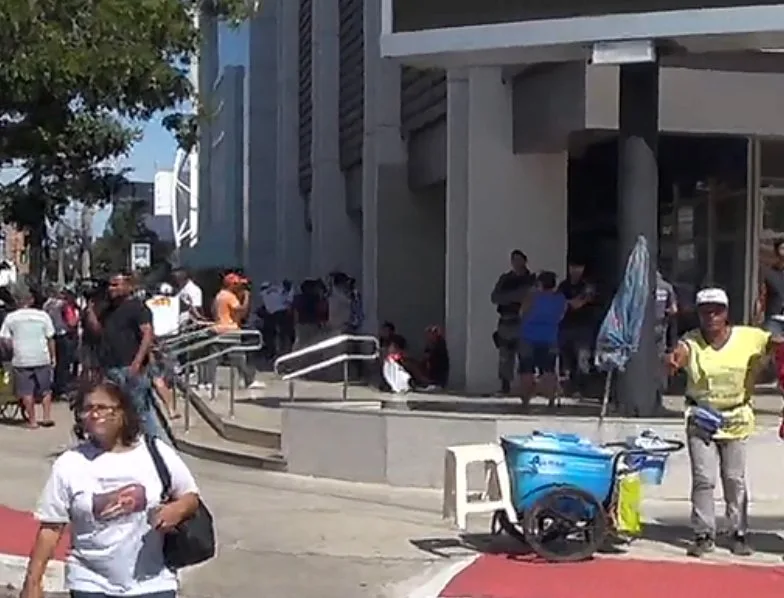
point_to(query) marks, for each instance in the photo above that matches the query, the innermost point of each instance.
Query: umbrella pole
(605, 401)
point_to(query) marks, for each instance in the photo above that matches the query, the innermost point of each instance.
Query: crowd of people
(546, 329)
(106, 337)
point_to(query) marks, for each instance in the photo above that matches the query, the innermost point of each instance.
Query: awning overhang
(559, 40)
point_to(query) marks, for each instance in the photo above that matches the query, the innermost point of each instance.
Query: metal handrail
(233, 341)
(343, 358)
(194, 330)
(226, 337)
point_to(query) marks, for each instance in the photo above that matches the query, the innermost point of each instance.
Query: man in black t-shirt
(508, 295)
(124, 327)
(577, 327)
(307, 314)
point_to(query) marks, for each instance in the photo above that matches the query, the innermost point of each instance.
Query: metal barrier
(231, 341)
(343, 358)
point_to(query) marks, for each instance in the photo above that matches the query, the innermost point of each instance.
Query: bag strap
(160, 466)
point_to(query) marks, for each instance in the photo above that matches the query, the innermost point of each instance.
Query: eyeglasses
(99, 411)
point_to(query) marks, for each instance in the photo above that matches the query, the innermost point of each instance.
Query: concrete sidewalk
(284, 535)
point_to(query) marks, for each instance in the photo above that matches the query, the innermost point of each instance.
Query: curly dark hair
(132, 425)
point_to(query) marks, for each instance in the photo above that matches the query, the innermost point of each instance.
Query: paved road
(287, 536)
(279, 535)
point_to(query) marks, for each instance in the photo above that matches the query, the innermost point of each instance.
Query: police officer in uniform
(508, 295)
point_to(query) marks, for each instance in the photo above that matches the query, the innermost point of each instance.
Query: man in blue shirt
(538, 350)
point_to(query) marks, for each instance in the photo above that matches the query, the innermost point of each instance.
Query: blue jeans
(78, 594)
(140, 391)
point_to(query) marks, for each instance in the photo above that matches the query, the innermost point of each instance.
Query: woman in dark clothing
(436, 364)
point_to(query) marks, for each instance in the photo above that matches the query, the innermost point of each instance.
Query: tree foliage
(77, 77)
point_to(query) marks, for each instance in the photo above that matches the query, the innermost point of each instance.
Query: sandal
(47, 424)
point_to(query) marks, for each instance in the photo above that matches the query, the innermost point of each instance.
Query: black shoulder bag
(193, 541)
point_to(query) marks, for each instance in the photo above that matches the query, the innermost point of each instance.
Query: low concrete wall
(406, 448)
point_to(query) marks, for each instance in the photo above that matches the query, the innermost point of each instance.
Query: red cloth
(779, 358)
(71, 316)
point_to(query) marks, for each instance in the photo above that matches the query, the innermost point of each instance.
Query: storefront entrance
(704, 215)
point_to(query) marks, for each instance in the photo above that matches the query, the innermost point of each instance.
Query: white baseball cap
(712, 296)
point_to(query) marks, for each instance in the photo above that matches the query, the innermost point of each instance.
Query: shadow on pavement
(276, 402)
(466, 544)
(675, 533)
(762, 534)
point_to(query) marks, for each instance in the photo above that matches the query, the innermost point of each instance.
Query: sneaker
(739, 546)
(255, 385)
(701, 545)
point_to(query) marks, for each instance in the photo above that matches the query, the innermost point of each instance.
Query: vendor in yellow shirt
(721, 362)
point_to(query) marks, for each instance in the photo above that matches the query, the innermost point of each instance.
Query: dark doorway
(703, 191)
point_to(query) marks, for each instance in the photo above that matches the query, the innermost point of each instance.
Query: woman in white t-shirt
(109, 491)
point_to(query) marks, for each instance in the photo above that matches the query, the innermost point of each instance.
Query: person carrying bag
(193, 541)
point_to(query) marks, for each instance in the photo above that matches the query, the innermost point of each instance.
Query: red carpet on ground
(498, 576)
(17, 534)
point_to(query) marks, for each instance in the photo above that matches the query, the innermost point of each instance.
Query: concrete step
(228, 428)
(203, 442)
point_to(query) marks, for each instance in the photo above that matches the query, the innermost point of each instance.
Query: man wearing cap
(231, 307)
(719, 360)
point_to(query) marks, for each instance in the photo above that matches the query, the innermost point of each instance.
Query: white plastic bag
(397, 377)
(653, 465)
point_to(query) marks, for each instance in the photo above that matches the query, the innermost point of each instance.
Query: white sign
(163, 186)
(141, 256)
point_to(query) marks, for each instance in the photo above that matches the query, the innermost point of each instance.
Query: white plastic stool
(496, 494)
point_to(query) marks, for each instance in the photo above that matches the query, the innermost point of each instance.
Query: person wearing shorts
(30, 333)
(538, 347)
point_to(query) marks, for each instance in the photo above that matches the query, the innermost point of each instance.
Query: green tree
(76, 79)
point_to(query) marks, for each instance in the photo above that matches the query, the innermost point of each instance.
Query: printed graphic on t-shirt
(117, 503)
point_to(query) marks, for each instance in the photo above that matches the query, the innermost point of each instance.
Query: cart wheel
(500, 523)
(565, 525)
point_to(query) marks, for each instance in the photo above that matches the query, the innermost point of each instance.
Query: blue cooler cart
(563, 490)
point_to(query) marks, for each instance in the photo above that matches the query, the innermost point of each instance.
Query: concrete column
(403, 231)
(496, 202)
(331, 226)
(261, 107)
(290, 210)
(457, 185)
(638, 211)
(382, 149)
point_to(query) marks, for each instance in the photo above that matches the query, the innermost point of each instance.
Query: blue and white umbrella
(619, 335)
